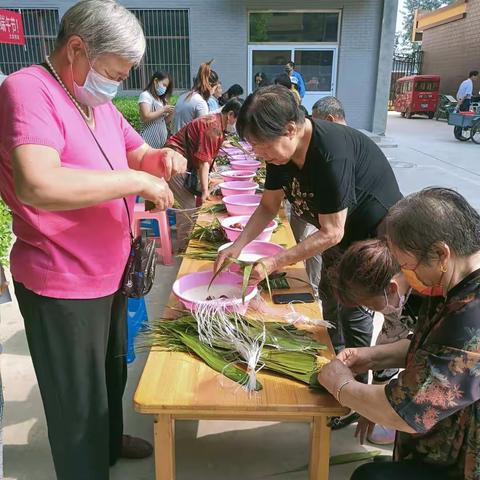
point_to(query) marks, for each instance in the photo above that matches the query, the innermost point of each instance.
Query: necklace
(88, 118)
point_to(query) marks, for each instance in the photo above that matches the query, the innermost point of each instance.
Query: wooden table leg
(319, 448)
(164, 433)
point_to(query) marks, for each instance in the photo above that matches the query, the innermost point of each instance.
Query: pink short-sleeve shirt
(75, 254)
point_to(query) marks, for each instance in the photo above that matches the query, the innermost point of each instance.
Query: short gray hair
(329, 106)
(105, 27)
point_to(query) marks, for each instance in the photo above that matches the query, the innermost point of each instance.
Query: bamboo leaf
(353, 457)
(247, 272)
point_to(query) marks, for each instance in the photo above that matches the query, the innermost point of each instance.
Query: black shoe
(336, 423)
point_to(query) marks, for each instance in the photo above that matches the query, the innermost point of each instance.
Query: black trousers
(78, 349)
(406, 470)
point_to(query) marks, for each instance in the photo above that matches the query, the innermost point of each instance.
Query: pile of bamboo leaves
(285, 350)
(211, 233)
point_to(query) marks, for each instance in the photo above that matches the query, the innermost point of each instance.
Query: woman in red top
(199, 141)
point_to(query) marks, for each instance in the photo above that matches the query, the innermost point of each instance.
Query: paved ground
(427, 154)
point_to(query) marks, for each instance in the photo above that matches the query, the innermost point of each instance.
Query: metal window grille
(40, 28)
(168, 48)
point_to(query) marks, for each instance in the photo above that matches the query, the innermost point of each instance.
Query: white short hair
(105, 27)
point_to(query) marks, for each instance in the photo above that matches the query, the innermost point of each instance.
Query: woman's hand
(332, 375)
(168, 109)
(174, 162)
(359, 360)
(156, 190)
(264, 267)
(231, 252)
(364, 429)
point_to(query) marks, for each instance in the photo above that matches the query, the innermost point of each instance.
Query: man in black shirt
(335, 177)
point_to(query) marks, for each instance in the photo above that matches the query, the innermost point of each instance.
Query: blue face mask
(161, 90)
(96, 90)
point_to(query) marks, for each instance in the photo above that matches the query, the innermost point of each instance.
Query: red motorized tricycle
(417, 94)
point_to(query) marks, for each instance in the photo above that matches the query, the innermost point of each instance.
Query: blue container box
(137, 317)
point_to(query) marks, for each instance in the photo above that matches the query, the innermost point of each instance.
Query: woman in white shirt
(193, 104)
(154, 109)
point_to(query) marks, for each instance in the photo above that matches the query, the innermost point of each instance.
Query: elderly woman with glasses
(434, 404)
(71, 167)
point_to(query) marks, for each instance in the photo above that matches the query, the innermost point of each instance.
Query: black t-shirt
(343, 169)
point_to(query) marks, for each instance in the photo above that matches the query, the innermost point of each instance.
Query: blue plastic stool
(137, 317)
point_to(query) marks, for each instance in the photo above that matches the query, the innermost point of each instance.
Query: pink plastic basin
(233, 175)
(253, 252)
(241, 204)
(241, 157)
(251, 165)
(238, 188)
(192, 290)
(231, 151)
(234, 233)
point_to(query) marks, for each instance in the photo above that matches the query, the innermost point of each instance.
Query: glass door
(317, 65)
(269, 60)
(318, 68)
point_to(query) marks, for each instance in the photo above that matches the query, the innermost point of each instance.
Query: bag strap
(111, 166)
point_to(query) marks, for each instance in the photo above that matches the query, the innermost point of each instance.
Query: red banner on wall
(11, 27)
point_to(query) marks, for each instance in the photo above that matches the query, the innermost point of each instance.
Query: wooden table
(177, 386)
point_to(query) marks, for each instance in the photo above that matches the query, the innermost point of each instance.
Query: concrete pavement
(427, 154)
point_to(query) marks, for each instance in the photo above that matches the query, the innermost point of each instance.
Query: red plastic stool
(164, 242)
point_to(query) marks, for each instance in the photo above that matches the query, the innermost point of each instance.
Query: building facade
(450, 39)
(342, 47)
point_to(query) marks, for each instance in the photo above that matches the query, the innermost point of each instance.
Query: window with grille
(40, 27)
(168, 48)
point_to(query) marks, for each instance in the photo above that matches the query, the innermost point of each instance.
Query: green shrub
(5, 232)
(128, 106)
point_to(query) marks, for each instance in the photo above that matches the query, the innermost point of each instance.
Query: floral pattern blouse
(438, 392)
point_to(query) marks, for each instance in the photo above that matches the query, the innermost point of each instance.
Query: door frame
(293, 47)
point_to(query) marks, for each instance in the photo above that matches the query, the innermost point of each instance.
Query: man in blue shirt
(465, 92)
(290, 70)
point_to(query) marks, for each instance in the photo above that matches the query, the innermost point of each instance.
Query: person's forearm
(152, 116)
(371, 402)
(69, 189)
(149, 160)
(257, 223)
(390, 355)
(313, 245)
(203, 175)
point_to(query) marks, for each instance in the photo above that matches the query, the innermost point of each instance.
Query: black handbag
(139, 274)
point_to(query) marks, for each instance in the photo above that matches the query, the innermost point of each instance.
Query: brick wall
(453, 49)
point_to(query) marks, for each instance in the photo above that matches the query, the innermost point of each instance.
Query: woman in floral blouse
(434, 236)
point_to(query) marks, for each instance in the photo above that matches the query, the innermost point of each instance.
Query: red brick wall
(453, 49)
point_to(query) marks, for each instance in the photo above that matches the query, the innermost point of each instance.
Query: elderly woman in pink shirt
(71, 224)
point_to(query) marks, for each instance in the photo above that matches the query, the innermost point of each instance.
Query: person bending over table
(435, 402)
(335, 178)
(199, 141)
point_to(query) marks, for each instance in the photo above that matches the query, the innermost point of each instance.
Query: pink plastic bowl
(251, 165)
(229, 151)
(186, 289)
(234, 175)
(238, 187)
(241, 204)
(234, 233)
(253, 252)
(241, 157)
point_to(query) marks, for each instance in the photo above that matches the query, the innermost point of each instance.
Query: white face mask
(96, 90)
(392, 309)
